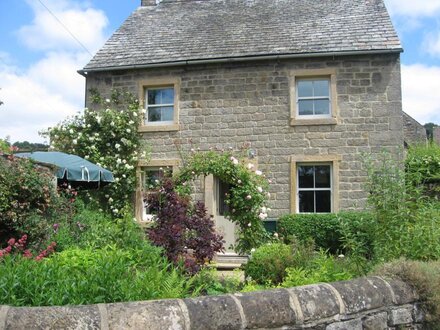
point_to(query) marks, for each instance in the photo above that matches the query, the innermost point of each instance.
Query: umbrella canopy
(70, 167)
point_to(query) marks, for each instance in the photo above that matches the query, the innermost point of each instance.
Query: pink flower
(11, 241)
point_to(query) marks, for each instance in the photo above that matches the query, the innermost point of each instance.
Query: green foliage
(88, 276)
(424, 276)
(212, 283)
(109, 138)
(323, 228)
(406, 223)
(327, 230)
(430, 130)
(268, 263)
(422, 166)
(29, 202)
(247, 196)
(320, 268)
(4, 146)
(90, 228)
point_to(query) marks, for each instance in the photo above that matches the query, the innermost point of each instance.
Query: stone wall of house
(368, 303)
(235, 104)
(436, 135)
(413, 131)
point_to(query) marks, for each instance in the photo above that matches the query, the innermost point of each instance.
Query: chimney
(148, 3)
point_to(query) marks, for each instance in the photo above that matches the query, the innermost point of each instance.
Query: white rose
(260, 189)
(257, 172)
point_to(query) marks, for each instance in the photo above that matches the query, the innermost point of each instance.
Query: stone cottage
(305, 85)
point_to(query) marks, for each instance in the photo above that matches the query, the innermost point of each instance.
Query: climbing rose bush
(109, 138)
(248, 195)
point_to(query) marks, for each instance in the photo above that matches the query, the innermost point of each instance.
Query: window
(313, 97)
(314, 183)
(159, 105)
(151, 179)
(314, 188)
(160, 99)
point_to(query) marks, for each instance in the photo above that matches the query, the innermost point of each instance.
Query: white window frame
(159, 83)
(149, 106)
(313, 74)
(143, 166)
(313, 98)
(298, 189)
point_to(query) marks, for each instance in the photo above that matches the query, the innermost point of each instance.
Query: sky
(39, 59)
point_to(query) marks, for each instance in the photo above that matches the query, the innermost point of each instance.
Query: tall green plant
(407, 223)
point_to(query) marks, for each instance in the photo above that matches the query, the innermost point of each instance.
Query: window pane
(306, 201)
(167, 96)
(322, 107)
(154, 114)
(321, 88)
(322, 176)
(223, 189)
(305, 88)
(152, 179)
(323, 201)
(305, 107)
(305, 176)
(167, 113)
(154, 96)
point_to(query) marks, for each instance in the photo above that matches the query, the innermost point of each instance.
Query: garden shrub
(424, 276)
(90, 228)
(29, 201)
(422, 166)
(320, 268)
(183, 230)
(268, 263)
(327, 229)
(406, 222)
(89, 276)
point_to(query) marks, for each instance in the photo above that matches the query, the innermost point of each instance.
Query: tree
(429, 130)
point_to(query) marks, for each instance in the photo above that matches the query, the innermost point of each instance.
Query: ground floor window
(151, 178)
(314, 188)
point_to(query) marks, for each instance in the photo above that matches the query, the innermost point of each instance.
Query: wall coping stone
(360, 302)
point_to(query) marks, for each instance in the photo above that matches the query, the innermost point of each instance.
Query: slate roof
(187, 30)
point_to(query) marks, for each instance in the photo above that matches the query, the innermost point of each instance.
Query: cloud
(413, 8)
(30, 105)
(431, 43)
(50, 89)
(420, 96)
(46, 32)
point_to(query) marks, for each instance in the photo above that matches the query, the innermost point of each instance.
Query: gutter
(84, 72)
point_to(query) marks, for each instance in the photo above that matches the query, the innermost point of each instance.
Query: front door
(215, 196)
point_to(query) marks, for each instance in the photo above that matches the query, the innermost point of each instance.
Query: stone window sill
(310, 122)
(159, 128)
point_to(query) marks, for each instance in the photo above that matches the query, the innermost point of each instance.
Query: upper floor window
(313, 97)
(159, 105)
(160, 99)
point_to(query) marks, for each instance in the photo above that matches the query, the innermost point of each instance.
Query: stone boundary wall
(366, 303)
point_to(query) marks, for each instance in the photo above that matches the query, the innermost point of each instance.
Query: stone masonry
(234, 104)
(371, 303)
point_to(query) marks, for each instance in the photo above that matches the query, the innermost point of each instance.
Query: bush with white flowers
(109, 138)
(247, 197)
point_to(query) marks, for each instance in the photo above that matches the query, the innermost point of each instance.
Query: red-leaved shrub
(182, 228)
